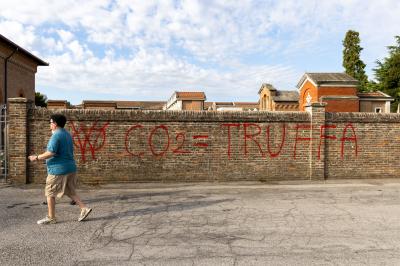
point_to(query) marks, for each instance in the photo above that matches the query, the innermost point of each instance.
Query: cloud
(65, 36)
(22, 34)
(227, 48)
(154, 74)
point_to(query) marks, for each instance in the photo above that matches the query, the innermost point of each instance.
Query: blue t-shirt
(62, 146)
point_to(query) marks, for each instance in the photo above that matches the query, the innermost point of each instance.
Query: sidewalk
(345, 222)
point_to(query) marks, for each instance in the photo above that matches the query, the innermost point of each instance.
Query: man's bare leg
(51, 203)
(78, 201)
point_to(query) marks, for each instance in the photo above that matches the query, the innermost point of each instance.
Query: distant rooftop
(286, 96)
(266, 86)
(329, 79)
(147, 105)
(190, 95)
(374, 94)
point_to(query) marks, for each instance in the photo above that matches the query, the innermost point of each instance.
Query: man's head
(58, 119)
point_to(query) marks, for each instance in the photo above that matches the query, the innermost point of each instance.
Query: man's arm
(43, 156)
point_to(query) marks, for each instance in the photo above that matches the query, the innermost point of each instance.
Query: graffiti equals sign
(200, 144)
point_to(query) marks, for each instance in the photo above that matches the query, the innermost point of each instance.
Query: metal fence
(3, 144)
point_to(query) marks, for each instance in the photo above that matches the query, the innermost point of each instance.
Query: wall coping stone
(352, 117)
(18, 100)
(172, 116)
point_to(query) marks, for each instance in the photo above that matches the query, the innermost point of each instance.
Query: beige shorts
(60, 185)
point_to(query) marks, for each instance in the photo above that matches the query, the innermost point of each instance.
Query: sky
(145, 50)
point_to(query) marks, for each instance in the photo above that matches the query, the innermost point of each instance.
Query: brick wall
(344, 105)
(334, 105)
(370, 149)
(164, 146)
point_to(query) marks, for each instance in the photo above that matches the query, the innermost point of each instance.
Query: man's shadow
(174, 207)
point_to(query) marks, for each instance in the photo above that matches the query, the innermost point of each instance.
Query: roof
(39, 61)
(266, 86)
(286, 96)
(190, 95)
(99, 104)
(329, 79)
(147, 105)
(232, 105)
(374, 95)
(247, 105)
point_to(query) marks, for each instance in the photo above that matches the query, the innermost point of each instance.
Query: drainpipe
(5, 75)
(3, 134)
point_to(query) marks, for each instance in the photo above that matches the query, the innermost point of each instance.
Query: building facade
(186, 100)
(17, 71)
(376, 102)
(340, 92)
(271, 99)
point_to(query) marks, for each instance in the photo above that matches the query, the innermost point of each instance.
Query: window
(264, 102)
(378, 110)
(21, 94)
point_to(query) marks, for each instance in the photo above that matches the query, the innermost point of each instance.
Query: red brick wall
(21, 82)
(183, 146)
(136, 146)
(345, 105)
(370, 147)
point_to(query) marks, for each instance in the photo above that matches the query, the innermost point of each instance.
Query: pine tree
(388, 73)
(40, 99)
(352, 63)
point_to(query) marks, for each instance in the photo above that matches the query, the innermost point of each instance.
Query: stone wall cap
(18, 100)
(316, 104)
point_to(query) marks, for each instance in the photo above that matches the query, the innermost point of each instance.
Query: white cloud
(227, 48)
(19, 33)
(155, 71)
(66, 36)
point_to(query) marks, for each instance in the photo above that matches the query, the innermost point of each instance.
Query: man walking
(61, 169)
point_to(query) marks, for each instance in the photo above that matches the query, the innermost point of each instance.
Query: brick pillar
(317, 144)
(18, 139)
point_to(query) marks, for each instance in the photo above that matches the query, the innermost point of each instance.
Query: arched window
(264, 102)
(21, 94)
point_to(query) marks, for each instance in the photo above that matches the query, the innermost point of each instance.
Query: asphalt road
(332, 223)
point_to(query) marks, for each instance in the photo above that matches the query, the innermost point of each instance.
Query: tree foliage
(387, 73)
(40, 99)
(352, 62)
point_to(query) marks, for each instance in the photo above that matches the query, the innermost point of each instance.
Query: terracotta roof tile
(286, 96)
(373, 94)
(198, 95)
(145, 105)
(329, 79)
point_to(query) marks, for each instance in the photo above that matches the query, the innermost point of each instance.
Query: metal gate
(3, 144)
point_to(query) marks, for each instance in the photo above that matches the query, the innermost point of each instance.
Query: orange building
(338, 90)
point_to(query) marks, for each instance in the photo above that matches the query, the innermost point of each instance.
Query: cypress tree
(352, 63)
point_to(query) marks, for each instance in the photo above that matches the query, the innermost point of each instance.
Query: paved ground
(336, 223)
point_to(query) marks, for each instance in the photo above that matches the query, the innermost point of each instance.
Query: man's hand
(33, 158)
(44, 156)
